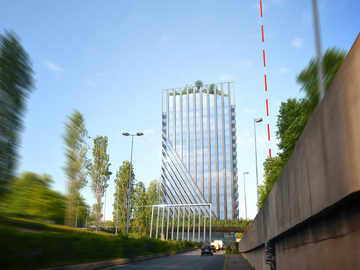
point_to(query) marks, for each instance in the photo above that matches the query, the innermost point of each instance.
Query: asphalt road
(189, 260)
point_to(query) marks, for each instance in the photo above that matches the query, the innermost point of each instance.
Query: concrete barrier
(321, 180)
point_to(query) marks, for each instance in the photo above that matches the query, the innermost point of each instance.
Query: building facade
(198, 159)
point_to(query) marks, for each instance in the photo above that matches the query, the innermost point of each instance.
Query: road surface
(190, 260)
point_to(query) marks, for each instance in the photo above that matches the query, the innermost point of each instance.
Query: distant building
(198, 162)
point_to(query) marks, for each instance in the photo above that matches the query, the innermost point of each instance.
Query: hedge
(34, 250)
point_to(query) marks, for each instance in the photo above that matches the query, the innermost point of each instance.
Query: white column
(204, 227)
(178, 221)
(183, 227)
(210, 225)
(157, 222)
(199, 227)
(162, 224)
(173, 221)
(152, 214)
(167, 224)
(194, 227)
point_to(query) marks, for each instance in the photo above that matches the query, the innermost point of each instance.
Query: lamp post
(256, 120)
(318, 49)
(128, 208)
(245, 195)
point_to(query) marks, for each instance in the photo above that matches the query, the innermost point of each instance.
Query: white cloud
(58, 70)
(213, 46)
(242, 64)
(91, 83)
(297, 43)
(225, 77)
(282, 70)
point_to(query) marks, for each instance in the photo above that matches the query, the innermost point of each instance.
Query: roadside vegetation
(295, 113)
(34, 250)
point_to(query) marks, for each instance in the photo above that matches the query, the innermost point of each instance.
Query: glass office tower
(198, 161)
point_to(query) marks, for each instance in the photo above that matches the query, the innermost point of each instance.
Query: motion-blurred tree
(121, 194)
(308, 78)
(76, 167)
(99, 171)
(16, 82)
(30, 196)
(294, 115)
(82, 211)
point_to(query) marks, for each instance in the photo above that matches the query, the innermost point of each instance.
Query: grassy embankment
(53, 245)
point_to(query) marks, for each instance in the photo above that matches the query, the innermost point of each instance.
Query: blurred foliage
(76, 164)
(228, 250)
(294, 115)
(30, 196)
(36, 225)
(308, 78)
(99, 172)
(42, 250)
(16, 82)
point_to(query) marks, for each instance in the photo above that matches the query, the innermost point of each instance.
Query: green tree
(308, 77)
(82, 211)
(273, 167)
(292, 119)
(139, 219)
(99, 171)
(121, 194)
(76, 161)
(294, 115)
(16, 82)
(30, 196)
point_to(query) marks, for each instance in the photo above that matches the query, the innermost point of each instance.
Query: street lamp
(256, 120)
(128, 208)
(245, 194)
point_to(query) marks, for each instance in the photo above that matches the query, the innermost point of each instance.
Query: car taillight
(202, 247)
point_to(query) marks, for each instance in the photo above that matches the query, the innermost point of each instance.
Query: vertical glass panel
(205, 145)
(177, 122)
(219, 111)
(212, 150)
(184, 128)
(198, 139)
(191, 134)
(171, 111)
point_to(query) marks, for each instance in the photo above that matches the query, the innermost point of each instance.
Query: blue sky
(111, 59)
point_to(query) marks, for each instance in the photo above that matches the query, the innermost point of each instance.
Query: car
(213, 248)
(224, 246)
(217, 246)
(206, 249)
(220, 243)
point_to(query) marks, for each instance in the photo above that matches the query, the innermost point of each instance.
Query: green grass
(43, 226)
(34, 250)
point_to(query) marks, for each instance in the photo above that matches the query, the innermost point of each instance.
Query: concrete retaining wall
(322, 176)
